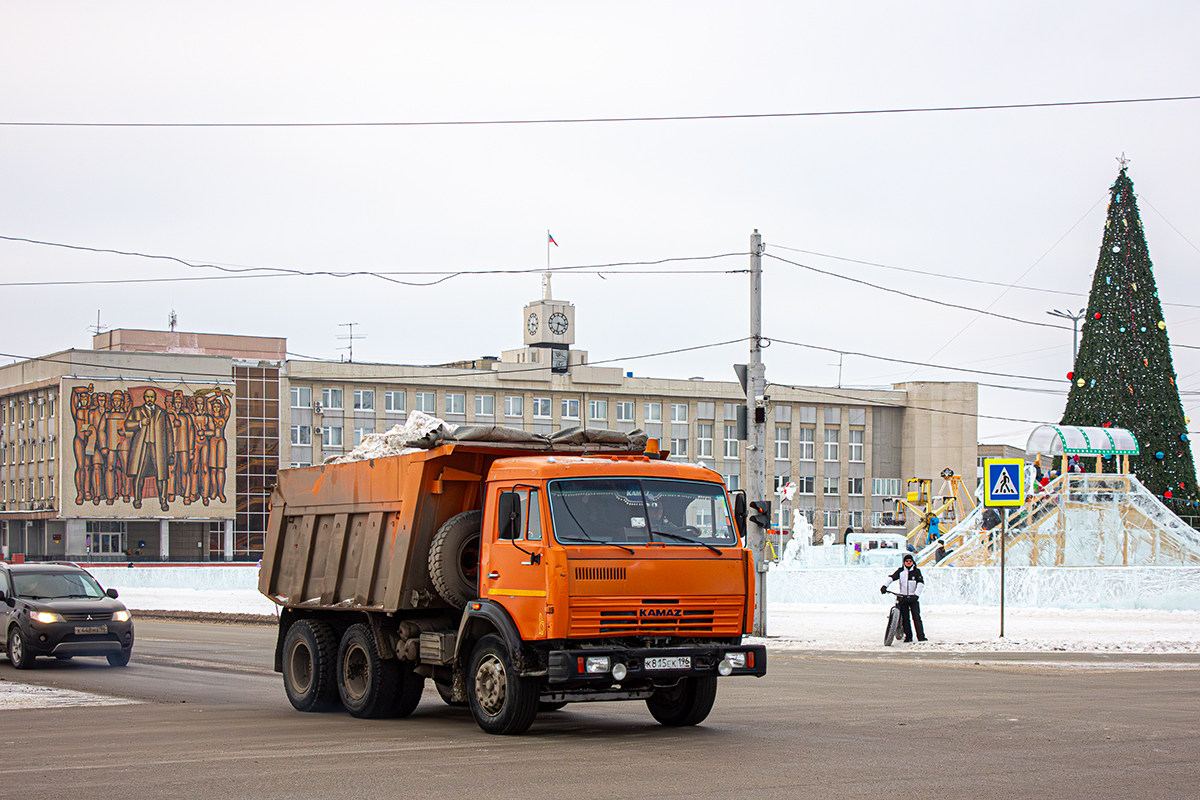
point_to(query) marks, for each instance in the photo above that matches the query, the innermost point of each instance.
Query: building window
(570, 409)
(885, 487)
(679, 412)
(625, 411)
(733, 482)
(331, 398)
(679, 448)
(805, 484)
(485, 405)
(856, 520)
(541, 407)
(731, 441)
(359, 433)
(598, 410)
(833, 415)
(807, 450)
(514, 406)
(51, 488)
(393, 402)
(653, 412)
(854, 486)
(301, 435)
(831, 518)
(704, 440)
(456, 403)
(364, 399)
(706, 410)
(425, 402)
(331, 436)
(783, 450)
(856, 445)
(301, 397)
(831, 444)
(106, 537)
(831, 485)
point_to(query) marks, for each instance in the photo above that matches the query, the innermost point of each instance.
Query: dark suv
(59, 610)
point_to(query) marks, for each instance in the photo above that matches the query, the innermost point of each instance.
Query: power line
(916, 296)
(594, 120)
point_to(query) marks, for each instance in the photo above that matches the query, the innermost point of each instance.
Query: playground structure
(1078, 519)
(931, 514)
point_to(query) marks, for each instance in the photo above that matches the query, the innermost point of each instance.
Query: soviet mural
(146, 446)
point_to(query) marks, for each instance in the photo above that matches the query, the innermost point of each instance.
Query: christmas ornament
(1162, 326)
(1097, 315)
(1167, 494)
(1183, 437)
(1070, 376)
(1159, 455)
(1079, 382)
(1122, 329)
(1116, 248)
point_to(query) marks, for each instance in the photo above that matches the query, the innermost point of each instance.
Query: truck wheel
(502, 702)
(309, 656)
(454, 558)
(367, 683)
(410, 688)
(686, 703)
(444, 693)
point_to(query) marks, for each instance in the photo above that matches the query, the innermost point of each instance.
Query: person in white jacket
(909, 585)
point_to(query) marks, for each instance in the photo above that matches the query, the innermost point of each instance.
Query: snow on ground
(960, 629)
(21, 695)
(813, 626)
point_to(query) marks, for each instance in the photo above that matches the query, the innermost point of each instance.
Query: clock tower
(548, 329)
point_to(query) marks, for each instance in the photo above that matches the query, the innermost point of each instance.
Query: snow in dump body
(396, 442)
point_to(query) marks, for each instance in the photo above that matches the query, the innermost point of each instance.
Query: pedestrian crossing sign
(1002, 482)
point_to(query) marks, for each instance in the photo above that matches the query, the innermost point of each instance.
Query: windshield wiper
(587, 538)
(689, 539)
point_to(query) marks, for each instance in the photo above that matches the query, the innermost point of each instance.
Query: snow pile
(396, 442)
(20, 696)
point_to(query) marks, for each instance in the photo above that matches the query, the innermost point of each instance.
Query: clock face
(532, 324)
(558, 323)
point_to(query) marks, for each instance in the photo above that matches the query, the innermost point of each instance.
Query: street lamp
(1075, 318)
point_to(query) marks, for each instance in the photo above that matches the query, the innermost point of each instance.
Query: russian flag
(550, 239)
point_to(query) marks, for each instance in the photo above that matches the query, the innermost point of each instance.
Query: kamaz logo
(660, 612)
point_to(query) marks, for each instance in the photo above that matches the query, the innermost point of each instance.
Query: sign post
(1003, 488)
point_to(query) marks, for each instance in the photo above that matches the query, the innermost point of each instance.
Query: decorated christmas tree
(1123, 375)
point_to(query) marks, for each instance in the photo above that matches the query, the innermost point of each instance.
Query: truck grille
(630, 616)
(600, 573)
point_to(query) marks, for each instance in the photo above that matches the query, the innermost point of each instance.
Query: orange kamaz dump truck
(518, 576)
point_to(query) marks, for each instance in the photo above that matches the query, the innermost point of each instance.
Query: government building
(164, 445)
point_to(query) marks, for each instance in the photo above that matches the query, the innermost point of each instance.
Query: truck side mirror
(739, 510)
(509, 515)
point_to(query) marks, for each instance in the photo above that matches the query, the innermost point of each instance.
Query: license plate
(80, 630)
(679, 662)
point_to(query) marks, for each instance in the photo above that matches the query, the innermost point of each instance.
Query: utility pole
(756, 462)
(1075, 318)
(351, 337)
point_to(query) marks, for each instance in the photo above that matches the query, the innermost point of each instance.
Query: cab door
(515, 565)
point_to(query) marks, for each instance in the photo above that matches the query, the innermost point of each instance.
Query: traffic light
(762, 513)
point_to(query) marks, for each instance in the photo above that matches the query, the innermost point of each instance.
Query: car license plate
(679, 662)
(81, 630)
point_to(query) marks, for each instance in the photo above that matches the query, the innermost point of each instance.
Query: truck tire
(309, 665)
(454, 558)
(366, 683)
(686, 703)
(410, 688)
(502, 702)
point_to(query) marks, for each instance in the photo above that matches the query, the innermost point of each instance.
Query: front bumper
(564, 665)
(61, 639)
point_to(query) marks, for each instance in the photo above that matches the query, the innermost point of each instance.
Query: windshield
(636, 511)
(55, 585)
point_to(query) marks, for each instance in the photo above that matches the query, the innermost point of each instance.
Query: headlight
(736, 660)
(597, 664)
(619, 671)
(121, 616)
(46, 617)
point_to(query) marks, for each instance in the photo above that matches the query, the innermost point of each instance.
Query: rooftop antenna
(172, 320)
(97, 329)
(546, 274)
(351, 337)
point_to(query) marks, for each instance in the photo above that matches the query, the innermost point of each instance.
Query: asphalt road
(213, 722)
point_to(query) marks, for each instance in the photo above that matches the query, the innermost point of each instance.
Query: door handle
(493, 575)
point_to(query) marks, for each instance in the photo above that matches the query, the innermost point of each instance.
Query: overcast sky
(1012, 196)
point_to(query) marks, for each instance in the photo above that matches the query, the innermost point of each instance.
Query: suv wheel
(120, 659)
(18, 653)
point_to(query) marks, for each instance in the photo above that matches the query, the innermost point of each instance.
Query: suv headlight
(121, 616)
(46, 617)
